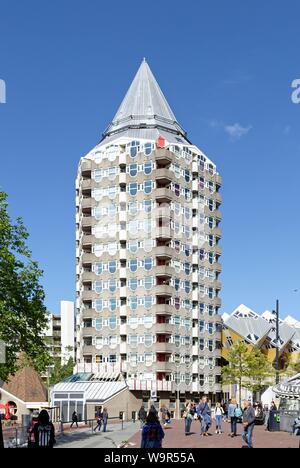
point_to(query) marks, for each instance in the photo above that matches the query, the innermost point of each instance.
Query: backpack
(153, 433)
(44, 433)
(238, 413)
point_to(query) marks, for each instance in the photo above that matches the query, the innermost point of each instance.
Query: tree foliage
(23, 316)
(61, 372)
(247, 367)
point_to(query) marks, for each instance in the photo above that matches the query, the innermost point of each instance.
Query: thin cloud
(237, 131)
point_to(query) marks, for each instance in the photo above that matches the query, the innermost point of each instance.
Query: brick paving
(175, 438)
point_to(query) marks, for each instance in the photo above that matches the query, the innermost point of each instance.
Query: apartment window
(187, 268)
(133, 189)
(133, 284)
(148, 205)
(177, 341)
(201, 183)
(187, 176)
(112, 286)
(134, 148)
(148, 341)
(177, 321)
(211, 241)
(99, 341)
(133, 265)
(148, 282)
(177, 284)
(211, 310)
(133, 359)
(99, 324)
(211, 257)
(98, 268)
(133, 340)
(112, 267)
(112, 359)
(201, 308)
(210, 346)
(201, 344)
(99, 359)
(148, 302)
(133, 208)
(148, 167)
(98, 287)
(148, 148)
(112, 304)
(187, 287)
(177, 303)
(211, 223)
(133, 303)
(210, 293)
(99, 305)
(133, 246)
(187, 250)
(202, 326)
(148, 264)
(201, 380)
(210, 328)
(148, 186)
(202, 254)
(133, 170)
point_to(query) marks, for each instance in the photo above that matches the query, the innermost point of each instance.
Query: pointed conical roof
(145, 111)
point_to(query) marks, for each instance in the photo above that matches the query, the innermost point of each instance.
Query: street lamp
(276, 313)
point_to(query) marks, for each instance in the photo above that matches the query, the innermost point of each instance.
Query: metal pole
(1, 436)
(277, 342)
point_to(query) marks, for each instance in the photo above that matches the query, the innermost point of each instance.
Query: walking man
(74, 419)
(248, 423)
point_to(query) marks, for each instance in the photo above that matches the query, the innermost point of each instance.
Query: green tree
(247, 368)
(235, 373)
(23, 316)
(61, 372)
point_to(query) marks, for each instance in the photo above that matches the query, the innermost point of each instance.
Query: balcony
(87, 239)
(87, 203)
(218, 267)
(163, 271)
(195, 314)
(122, 197)
(217, 232)
(164, 252)
(164, 329)
(163, 290)
(87, 331)
(88, 350)
(195, 350)
(163, 309)
(123, 291)
(87, 295)
(123, 159)
(163, 175)
(87, 276)
(163, 195)
(217, 214)
(164, 348)
(148, 385)
(86, 184)
(87, 258)
(164, 233)
(163, 156)
(195, 167)
(218, 179)
(122, 236)
(165, 367)
(86, 166)
(87, 221)
(218, 197)
(122, 178)
(123, 254)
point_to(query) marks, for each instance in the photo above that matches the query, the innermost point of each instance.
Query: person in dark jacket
(74, 419)
(142, 415)
(204, 415)
(248, 423)
(153, 433)
(105, 419)
(44, 434)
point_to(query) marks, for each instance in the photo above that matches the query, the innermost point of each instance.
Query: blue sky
(226, 69)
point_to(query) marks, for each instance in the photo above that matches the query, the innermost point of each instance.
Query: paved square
(175, 438)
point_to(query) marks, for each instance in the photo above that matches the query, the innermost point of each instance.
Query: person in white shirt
(219, 413)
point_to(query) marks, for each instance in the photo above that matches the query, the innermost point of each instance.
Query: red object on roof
(161, 142)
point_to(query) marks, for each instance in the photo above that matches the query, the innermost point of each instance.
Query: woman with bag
(189, 416)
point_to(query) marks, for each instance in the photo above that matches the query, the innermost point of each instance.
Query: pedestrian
(219, 413)
(188, 415)
(153, 410)
(142, 415)
(232, 417)
(153, 433)
(164, 415)
(296, 427)
(248, 423)
(30, 429)
(105, 419)
(204, 415)
(225, 409)
(44, 434)
(99, 418)
(74, 419)
(273, 406)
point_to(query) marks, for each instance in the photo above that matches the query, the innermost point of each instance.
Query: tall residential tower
(148, 252)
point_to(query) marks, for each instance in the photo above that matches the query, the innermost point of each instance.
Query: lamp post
(276, 313)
